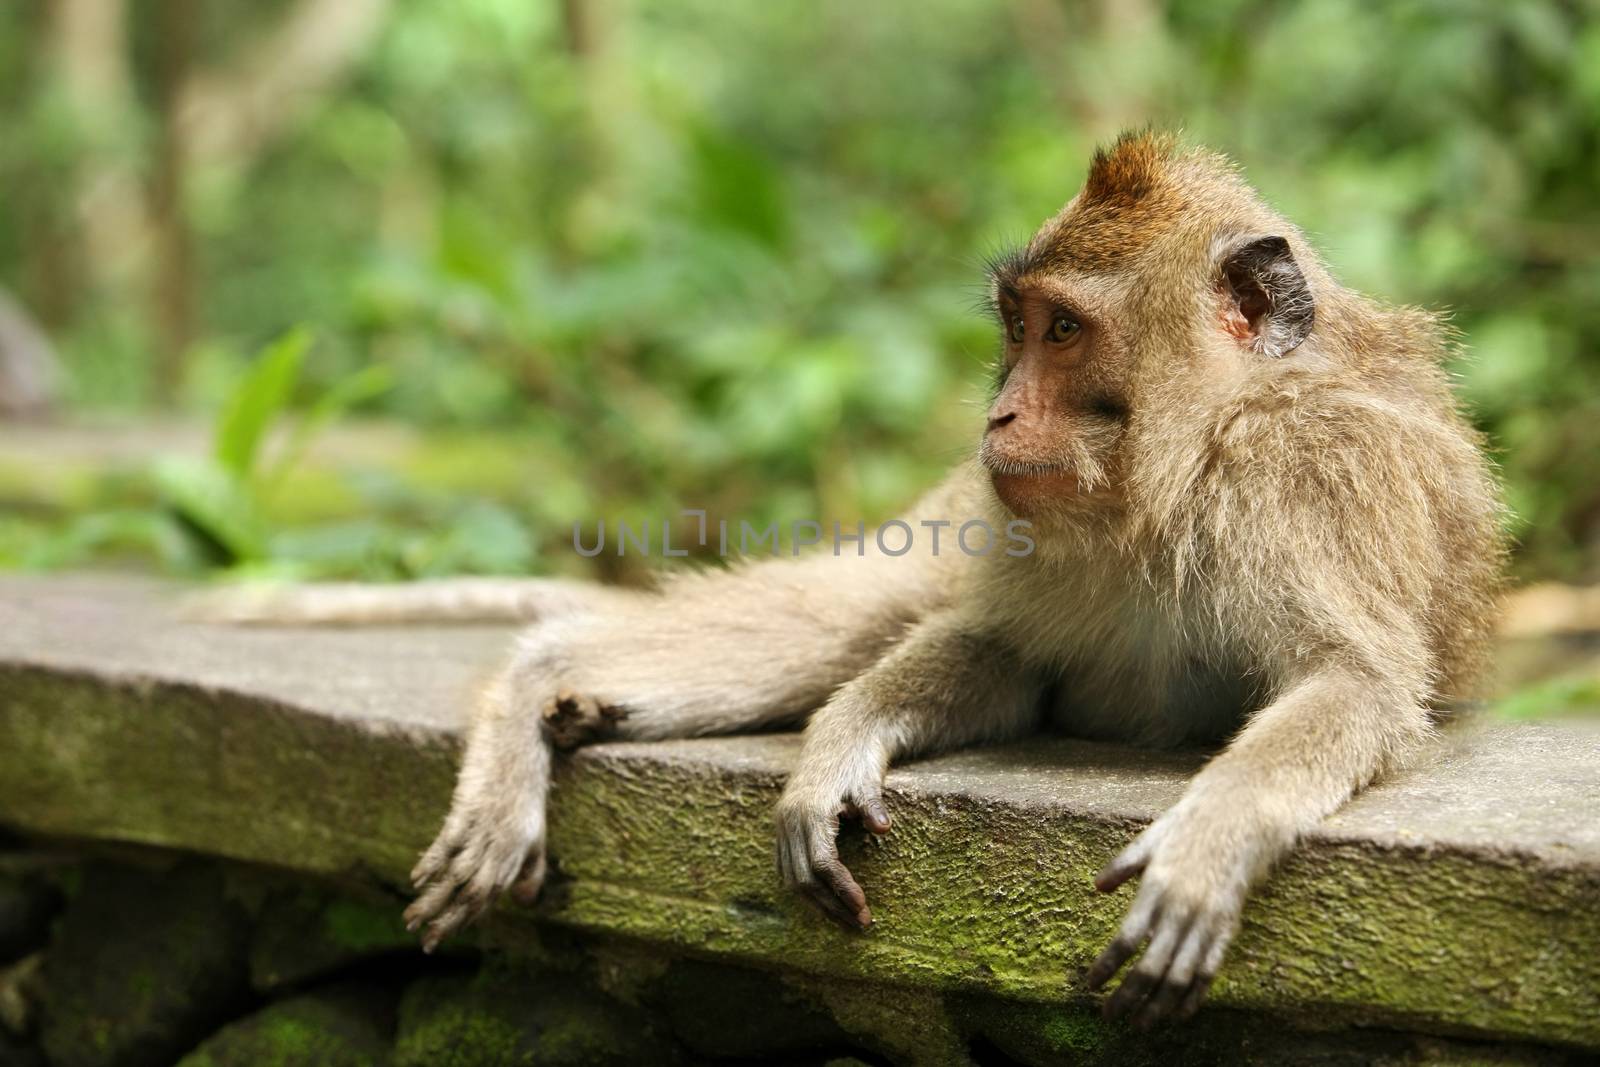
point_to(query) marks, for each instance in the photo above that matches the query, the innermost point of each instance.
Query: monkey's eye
(1062, 330)
(1015, 329)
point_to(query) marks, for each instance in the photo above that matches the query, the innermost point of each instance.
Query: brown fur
(1296, 545)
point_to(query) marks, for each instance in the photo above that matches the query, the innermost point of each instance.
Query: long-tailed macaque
(1258, 516)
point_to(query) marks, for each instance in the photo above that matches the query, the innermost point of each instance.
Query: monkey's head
(1163, 281)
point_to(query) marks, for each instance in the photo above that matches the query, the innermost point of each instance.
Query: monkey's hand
(1195, 866)
(492, 840)
(808, 852)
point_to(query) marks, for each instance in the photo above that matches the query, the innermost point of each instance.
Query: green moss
(1046, 1034)
(500, 1019)
(971, 894)
(290, 1040)
(460, 1035)
(346, 1026)
(910, 1025)
(305, 931)
(573, 1040)
(362, 927)
(142, 965)
(341, 797)
(1073, 1032)
(276, 1042)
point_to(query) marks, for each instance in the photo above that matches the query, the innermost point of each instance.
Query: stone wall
(146, 958)
(210, 831)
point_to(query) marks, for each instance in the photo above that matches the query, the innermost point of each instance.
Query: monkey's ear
(1271, 306)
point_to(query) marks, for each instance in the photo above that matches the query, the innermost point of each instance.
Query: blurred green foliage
(1565, 694)
(672, 253)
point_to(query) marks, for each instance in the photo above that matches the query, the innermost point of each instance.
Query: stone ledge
(1462, 897)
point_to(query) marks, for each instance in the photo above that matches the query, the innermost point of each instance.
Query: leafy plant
(220, 500)
(1572, 694)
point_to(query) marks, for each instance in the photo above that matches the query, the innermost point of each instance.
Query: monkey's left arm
(1328, 590)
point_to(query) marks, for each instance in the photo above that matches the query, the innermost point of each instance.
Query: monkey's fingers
(830, 905)
(478, 882)
(1177, 967)
(1147, 980)
(1135, 928)
(434, 898)
(809, 861)
(1194, 998)
(1178, 982)
(872, 813)
(836, 878)
(438, 856)
(460, 912)
(445, 895)
(1213, 952)
(530, 879)
(1128, 863)
(1193, 969)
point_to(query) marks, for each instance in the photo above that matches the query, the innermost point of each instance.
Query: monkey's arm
(712, 652)
(942, 687)
(1333, 589)
(1299, 759)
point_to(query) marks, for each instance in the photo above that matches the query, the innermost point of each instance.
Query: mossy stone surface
(494, 1019)
(143, 963)
(340, 1027)
(1457, 899)
(307, 931)
(1075, 1035)
(27, 904)
(738, 1012)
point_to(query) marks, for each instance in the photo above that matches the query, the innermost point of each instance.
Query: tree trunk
(88, 53)
(174, 297)
(230, 116)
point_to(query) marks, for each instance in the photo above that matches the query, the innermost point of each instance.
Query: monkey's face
(1060, 412)
(1163, 280)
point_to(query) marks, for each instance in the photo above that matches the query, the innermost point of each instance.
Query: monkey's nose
(997, 421)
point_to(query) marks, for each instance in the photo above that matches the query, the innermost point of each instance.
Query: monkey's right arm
(944, 686)
(712, 652)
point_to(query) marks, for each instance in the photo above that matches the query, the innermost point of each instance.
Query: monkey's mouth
(1002, 468)
(1031, 487)
(1027, 489)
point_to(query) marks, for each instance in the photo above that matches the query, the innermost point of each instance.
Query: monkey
(1262, 523)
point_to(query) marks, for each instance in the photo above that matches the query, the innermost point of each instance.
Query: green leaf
(257, 400)
(361, 386)
(214, 506)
